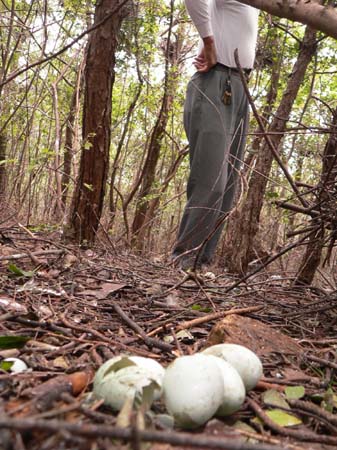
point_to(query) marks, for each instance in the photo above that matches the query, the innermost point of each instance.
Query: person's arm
(198, 10)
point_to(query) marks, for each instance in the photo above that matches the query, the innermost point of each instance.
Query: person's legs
(210, 127)
(235, 159)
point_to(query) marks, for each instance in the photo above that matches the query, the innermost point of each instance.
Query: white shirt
(233, 25)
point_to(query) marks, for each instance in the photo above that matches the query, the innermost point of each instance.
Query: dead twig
(217, 315)
(149, 341)
(170, 437)
(312, 408)
(30, 255)
(301, 435)
(102, 338)
(321, 361)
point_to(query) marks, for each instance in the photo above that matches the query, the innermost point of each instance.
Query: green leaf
(334, 400)
(7, 342)
(282, 418)
(19, 272)
(6, 365)
(274, 398)
(196, 307)
(329, 400)
(294, 392)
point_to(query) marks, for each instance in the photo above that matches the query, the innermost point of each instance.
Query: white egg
(193, 389)
(242, 359)
(147, 363)
(17, 366)
(234, 389)
(127, 376)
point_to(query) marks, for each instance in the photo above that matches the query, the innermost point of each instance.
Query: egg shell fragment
(18, 365)
(234, 389)
(242, 359)
(193, 389)
(126, 376)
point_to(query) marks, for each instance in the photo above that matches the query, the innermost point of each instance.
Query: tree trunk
(249, 163)
(326, 202)
(89, 193)
(112, 202)
(242, 249)
(71, 123)
(3, 143)
(173, 50)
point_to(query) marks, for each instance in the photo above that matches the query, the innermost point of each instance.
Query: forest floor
(75, 308)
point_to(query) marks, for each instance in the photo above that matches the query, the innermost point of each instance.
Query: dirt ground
(76, 308)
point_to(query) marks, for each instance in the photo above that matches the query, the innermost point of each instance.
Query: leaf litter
(83, 309)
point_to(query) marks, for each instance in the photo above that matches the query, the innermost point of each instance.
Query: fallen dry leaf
(105, 290)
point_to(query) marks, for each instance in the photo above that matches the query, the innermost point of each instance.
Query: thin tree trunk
(69, 137)
(120, 145)
(326, 201)
(173, 50)
(242, 249)
(3, 143)
(99, 77)
(231, 227)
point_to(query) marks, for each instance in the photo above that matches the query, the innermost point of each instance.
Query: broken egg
(16, 365)
(242, 359)
(124, 377)
(193, 389)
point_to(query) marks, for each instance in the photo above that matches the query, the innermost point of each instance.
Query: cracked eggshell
(125, 376)
(242, 359)
(193, 389)
(234, 389)
(18, 365)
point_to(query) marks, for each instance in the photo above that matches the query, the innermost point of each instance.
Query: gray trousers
(216, 133)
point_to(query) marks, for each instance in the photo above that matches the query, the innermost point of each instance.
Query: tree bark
(326, 202)
(242, 250)
(71, 123)
(99, 77)
(309, 12)
(231, 227)
(173, 50)
(3, 143)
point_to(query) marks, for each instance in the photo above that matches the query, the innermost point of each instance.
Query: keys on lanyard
(227, 95)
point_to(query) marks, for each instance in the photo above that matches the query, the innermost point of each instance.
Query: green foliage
(294, 392)
(8, 342)
(15, 270)
(28, 113)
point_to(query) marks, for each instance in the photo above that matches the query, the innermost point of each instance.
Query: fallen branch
(29, 255)
(149, 341)
(310, 407)
(217, 315)
(301, 435)
(170, 437)
(321, 361)
(102, 338)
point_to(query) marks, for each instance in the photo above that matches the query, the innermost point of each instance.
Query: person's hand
(207, 57)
